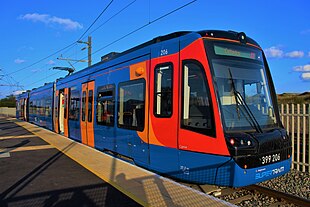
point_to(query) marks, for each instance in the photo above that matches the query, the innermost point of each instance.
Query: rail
(280, 195)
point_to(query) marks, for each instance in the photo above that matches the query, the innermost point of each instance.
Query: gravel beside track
(294, 182)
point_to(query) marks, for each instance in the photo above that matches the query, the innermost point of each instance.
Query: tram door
(62, 96)
(56, 122)
(66, 112)
(87, 114)
(61, 111)
(26, 109)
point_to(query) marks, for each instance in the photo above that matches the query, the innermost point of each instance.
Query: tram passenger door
(61, 111)
(62, 97)
(66, 114)
(22, 107)
(87, 114)
(56, 110)
(25, 109)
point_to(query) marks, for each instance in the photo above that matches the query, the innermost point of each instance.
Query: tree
(9, 101)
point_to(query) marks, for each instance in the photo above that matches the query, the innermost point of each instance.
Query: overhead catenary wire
(68, 49)
(113, 16)
(36, 71)
(9, 80)
(117, 13)
(64, 48)
(128, 34)
(58, 51)
(95, 20)
(44, 78)
(141, 27)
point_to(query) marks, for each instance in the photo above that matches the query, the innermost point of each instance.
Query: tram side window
(65, 105)
(31, 107)
(56, 107)
(131, 102)
(74, 105)
(21, 107)
(197, 109)
(37, 106)
(90, 104)
(163, 90)
(83, 106)
(42, 107)
(105, 105)
(49, 106)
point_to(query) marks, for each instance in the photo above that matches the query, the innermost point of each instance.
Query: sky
(34, 31)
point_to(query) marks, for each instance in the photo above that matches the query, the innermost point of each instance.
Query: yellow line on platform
(18, 136)
(146, 188)
(27, 148)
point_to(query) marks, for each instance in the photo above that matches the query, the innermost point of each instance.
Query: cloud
(295, 54)
(19, 61)
(305, 71)
(305, 76)
(302, 68)
(15, 93)
(68, 24)
(274, 52)
(51, 62)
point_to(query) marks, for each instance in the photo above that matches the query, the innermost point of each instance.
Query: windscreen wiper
(240, 101)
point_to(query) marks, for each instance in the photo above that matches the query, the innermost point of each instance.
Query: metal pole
(89, 51)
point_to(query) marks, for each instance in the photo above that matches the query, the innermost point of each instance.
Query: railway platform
(42, 168)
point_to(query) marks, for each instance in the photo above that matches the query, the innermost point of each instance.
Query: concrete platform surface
(35, 173)
(144, 187)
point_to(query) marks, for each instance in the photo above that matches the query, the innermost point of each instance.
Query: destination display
(236, 51)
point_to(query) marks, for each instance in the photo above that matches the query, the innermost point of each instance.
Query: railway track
(254, 195)
(281, 196)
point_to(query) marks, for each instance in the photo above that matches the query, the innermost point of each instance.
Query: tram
(194, 106)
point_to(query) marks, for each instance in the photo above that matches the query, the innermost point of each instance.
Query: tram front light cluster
(241, 145)
(242, 142)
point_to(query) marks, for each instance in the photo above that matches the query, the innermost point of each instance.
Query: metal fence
(296, 120)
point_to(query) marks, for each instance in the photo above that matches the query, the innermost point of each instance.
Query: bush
(9, 101)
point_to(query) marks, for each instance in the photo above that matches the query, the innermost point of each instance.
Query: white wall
(5, 111)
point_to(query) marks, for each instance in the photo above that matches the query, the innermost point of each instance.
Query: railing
(296, 120)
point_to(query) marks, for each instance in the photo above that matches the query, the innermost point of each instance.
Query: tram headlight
(232, 142)
(241, 144)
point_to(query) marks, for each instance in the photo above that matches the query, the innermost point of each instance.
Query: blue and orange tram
(195, 106)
